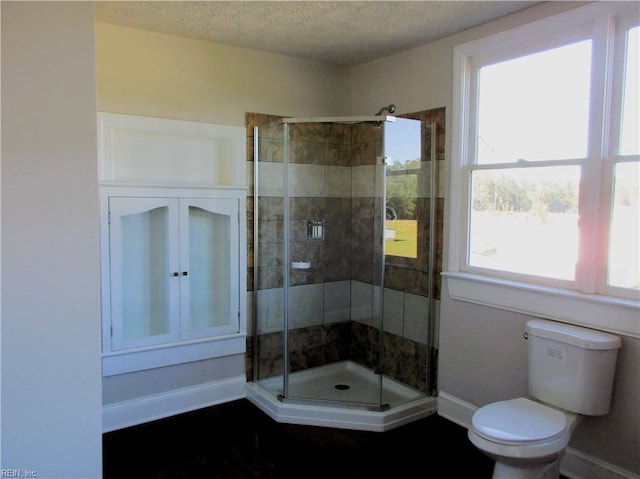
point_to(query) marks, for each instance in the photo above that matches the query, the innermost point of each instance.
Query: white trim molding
(615, 315)
(157, 406)
(121, 362)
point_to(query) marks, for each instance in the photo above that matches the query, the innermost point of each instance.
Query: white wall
(482, 357)
(51, 421)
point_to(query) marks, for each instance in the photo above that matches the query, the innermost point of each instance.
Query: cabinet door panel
(209, 249)
(144, 292)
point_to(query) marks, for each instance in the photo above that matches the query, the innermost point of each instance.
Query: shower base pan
(338, 394)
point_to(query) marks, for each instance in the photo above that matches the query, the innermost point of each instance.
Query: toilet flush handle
(526, 335)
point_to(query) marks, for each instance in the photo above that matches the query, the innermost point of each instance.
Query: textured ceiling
(340, 32)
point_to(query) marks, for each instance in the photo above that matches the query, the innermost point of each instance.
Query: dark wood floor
(236, 440)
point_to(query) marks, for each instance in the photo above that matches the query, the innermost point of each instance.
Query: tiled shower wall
(332, 168)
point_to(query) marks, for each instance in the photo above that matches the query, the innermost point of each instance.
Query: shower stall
(343, 309)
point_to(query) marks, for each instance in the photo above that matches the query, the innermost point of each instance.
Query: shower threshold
(340, 391)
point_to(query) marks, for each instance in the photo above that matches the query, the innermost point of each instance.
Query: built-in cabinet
(173, 246)
(172, 264)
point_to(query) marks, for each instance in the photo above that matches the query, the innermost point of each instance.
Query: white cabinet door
(209, 256)
(174, 269)
(143, 247)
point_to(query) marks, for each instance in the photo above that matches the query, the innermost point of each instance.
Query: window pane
(629, 142)
(535, 107)
(624, 246)
(525, 220)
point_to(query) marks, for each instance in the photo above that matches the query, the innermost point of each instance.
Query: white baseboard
(158, 406)
(578, 465)
(455, 409)
(574, 464)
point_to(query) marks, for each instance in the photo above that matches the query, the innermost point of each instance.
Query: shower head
(391, 109)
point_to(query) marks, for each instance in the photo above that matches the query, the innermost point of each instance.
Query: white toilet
(571, 371)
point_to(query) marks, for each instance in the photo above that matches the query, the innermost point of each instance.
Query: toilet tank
(571, 367)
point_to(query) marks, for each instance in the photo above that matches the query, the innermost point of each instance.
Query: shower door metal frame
(432, 343)
(286, 260)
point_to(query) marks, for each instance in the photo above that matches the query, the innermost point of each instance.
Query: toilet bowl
(526, 439)
(571, 371)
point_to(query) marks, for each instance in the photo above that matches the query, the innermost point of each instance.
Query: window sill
(126, 361)
(616, 315)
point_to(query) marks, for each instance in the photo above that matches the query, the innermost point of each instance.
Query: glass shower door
(334, 269)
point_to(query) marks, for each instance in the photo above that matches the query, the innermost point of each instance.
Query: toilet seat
(519, 422)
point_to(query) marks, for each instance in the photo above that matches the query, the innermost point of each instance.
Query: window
(546, 163)
(531, 137)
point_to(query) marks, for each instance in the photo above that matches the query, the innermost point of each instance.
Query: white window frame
(545, 299)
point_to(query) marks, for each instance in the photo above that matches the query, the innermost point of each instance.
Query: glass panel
(525, 221)
(335, 175)
(316, 257)
(267, 236)
(403, 152)
(209, 269)
(624, 245)
(629, 142)
(145, 274)
(535, 107)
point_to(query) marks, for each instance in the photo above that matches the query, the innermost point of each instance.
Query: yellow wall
(152, 74)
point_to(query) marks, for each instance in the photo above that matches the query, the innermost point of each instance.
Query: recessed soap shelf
(300, 264)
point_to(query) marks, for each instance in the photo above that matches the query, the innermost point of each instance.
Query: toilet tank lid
(574, 335)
